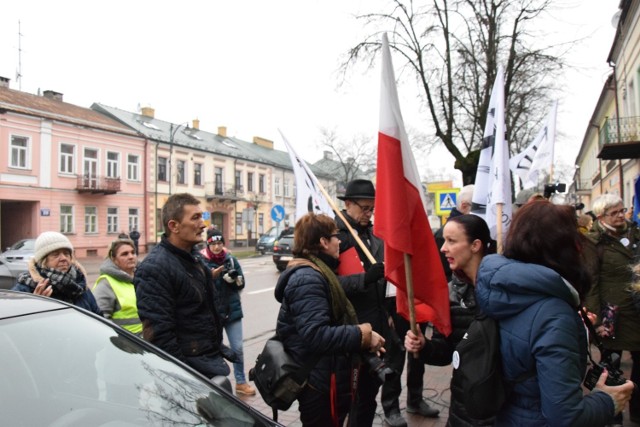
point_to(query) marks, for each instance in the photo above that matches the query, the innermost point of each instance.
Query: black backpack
(477, 369)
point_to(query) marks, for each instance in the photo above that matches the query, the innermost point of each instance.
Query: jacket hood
(505, 287)
(109, 268)
(283, 280)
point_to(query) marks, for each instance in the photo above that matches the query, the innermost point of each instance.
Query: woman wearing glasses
(616, 246)
(54, 272)
(114, 289)
(317, 322)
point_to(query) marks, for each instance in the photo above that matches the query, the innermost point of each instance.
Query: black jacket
(308, 331)
(176, 304)
(368, 299)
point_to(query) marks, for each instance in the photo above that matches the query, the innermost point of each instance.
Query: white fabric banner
(309, 198)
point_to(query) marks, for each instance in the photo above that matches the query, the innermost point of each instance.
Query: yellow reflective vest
(127, 316)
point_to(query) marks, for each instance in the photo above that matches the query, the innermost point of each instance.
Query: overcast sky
(254, 65)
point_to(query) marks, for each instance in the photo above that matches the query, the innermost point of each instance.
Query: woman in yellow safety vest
(114, 289)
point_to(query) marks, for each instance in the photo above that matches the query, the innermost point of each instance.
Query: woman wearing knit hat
(229, 281)
(54, 272)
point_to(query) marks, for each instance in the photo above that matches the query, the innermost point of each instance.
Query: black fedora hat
(359, 189)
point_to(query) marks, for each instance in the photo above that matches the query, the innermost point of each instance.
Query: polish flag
(401, 220)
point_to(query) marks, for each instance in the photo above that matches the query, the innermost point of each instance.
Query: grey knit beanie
(48, 242)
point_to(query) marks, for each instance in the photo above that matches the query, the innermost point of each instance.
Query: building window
(90, 219)
(276, 187)
(249, 181)
(286, 188)
(67, 158)
(113, 165)
(197, 174)
(134, 221)
(159, 225)
(260, 223)
(238, 180)
(162, 168)
(112, 220)
(261, 184)
(133, 167)
(19, 152)
(238, 224)
(218, 181)
(90, 169)
(66, 219)
(182, 176)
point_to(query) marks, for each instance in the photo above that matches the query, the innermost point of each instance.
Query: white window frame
(286, 187)
(198, 169)
(238, 223)
(26, 152)
(134, 219)
(166, 169)
(67, 159)
(276, 186)
(67, 219)
(133, 168)
(113, 165)
(112, 220)
(90, 219)
(181, 175)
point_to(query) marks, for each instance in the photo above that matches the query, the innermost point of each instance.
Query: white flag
(309, 198)
(499, 178)
(493, 184)
(530, 164)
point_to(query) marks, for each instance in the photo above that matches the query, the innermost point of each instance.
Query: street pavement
(435, 392)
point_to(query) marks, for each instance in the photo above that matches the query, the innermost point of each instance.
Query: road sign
(277, 213)
(206, 215)
(446, 200)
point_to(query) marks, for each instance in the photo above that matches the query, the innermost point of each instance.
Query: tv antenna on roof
(19, 71)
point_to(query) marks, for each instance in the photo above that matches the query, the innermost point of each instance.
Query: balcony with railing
(223, 193)
(97, 184)
(620, 138)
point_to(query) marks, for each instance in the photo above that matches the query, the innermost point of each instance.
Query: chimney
(4, 82)
(222, 130)
(196, 124)
(327, 155)
(148, 112)
(50, 94)
(262, 142)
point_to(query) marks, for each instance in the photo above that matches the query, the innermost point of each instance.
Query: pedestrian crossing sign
(446, 200)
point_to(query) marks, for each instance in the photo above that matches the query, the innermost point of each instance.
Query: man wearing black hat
(371, 303)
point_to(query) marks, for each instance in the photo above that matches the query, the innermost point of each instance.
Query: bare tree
(453, 49)
(355, 158)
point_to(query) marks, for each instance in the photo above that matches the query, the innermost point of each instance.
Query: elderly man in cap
(374, 303)
(54, 272)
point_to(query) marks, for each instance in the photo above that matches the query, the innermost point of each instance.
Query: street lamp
(172, 133)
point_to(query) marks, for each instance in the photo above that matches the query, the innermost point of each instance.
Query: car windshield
(24, 245)
(60, 368)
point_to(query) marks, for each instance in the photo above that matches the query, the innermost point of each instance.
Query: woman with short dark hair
(535, 292)
(317, 322)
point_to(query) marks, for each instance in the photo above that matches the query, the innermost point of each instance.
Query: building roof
(54, 109)
(197, 139)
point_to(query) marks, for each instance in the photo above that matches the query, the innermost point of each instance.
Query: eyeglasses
(336, 235)
(365, 209)
(618, 212)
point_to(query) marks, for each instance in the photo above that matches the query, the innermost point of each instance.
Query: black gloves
(374, 273)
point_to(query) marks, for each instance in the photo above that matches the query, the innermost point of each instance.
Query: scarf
(343, 311)
(65, 285)
(216, 258)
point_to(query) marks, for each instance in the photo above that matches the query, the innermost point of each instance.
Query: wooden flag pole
(357, 238)
(412, 308)
(499, 227)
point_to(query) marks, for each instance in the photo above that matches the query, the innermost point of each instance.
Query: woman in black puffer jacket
(317, 321)
(466, 241)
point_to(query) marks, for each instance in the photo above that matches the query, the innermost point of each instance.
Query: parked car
(265, 242)
(282, 252)
(15, 260)
(64, 366)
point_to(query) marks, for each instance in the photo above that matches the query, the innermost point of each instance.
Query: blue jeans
(234, 335)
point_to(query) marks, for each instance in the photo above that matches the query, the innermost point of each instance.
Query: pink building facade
(69, 169)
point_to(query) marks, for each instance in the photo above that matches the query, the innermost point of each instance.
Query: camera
(550, 189)
(378, 367)
(615, 374)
